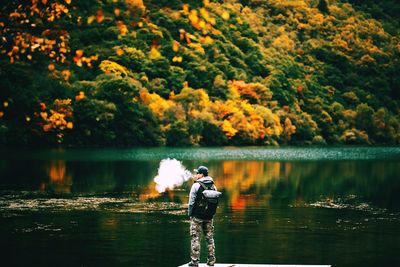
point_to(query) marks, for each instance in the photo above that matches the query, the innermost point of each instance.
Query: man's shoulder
(206, 180)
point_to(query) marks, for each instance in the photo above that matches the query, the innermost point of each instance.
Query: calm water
(338, 206)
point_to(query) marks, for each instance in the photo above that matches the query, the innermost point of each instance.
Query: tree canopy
(183, 73)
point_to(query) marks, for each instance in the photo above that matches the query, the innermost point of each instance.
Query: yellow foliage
(154, 53)
(233, 90)
(191, 99)
(156, 103)
(289, 129)
(185, 9)
(144, 78)
(204, 99)
(202, 24)
(284, 42)
(303, 26)
(349, 114)
(206, 40)
(197, 47)
(108, 66)
(277, 125)
(341, 43)
(136, 4)
(228, 130)
(193, 18)
(177, 59)
(175, 46)
(204, 13)
(225, 15)
(154, 29)
(316, 20)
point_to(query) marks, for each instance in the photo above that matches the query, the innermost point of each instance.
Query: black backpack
(206, 201)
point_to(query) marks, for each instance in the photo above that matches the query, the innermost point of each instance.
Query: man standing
(200, 223)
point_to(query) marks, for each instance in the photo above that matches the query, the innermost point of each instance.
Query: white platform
(256, 265)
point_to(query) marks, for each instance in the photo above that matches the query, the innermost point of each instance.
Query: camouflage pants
(197, 227)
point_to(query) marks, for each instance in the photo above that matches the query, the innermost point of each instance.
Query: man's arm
(192, 197)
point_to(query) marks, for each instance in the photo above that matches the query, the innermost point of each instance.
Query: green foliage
(94, 122)
(178, 134)
(186, 73)
(323, 6)
(212, 135)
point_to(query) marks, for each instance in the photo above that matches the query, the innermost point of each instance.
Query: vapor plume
(171, 174)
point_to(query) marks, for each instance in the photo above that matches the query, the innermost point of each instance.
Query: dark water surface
(338, 206)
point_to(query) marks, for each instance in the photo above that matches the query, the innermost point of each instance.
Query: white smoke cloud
(171, 173)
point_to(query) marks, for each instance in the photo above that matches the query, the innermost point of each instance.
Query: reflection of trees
(254, 183)
(60, 181)
(245, 182)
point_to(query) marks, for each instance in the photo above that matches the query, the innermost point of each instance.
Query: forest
(125, 73)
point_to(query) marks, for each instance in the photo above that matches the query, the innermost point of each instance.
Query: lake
(99, 207)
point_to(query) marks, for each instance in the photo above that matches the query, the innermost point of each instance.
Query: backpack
(207, 201)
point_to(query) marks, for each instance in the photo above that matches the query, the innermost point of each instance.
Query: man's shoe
(210, 264)
(193, 264)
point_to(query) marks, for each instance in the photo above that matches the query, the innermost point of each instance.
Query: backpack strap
(204, 186)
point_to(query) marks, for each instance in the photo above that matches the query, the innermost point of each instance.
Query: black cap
(202, 169)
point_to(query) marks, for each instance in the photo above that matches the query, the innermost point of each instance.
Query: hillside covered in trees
(182, 73)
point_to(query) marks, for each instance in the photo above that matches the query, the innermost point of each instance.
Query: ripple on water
(204, 153)
(13, 204)
(353, 203)
(39, 227)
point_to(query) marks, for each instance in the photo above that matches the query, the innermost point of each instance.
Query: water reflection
(59, 180)
(244, 183)
(280, 211)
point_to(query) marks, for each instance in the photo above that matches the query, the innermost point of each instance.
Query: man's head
(201, 171)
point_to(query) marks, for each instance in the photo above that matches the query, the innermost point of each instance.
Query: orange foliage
(79, 59)
(254, 92)
(289, 129)
(80, 96)
(123, 29)
(100, 16)
(136, 4)
(59, 119)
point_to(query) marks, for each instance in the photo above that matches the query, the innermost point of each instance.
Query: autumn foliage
(183, 73)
